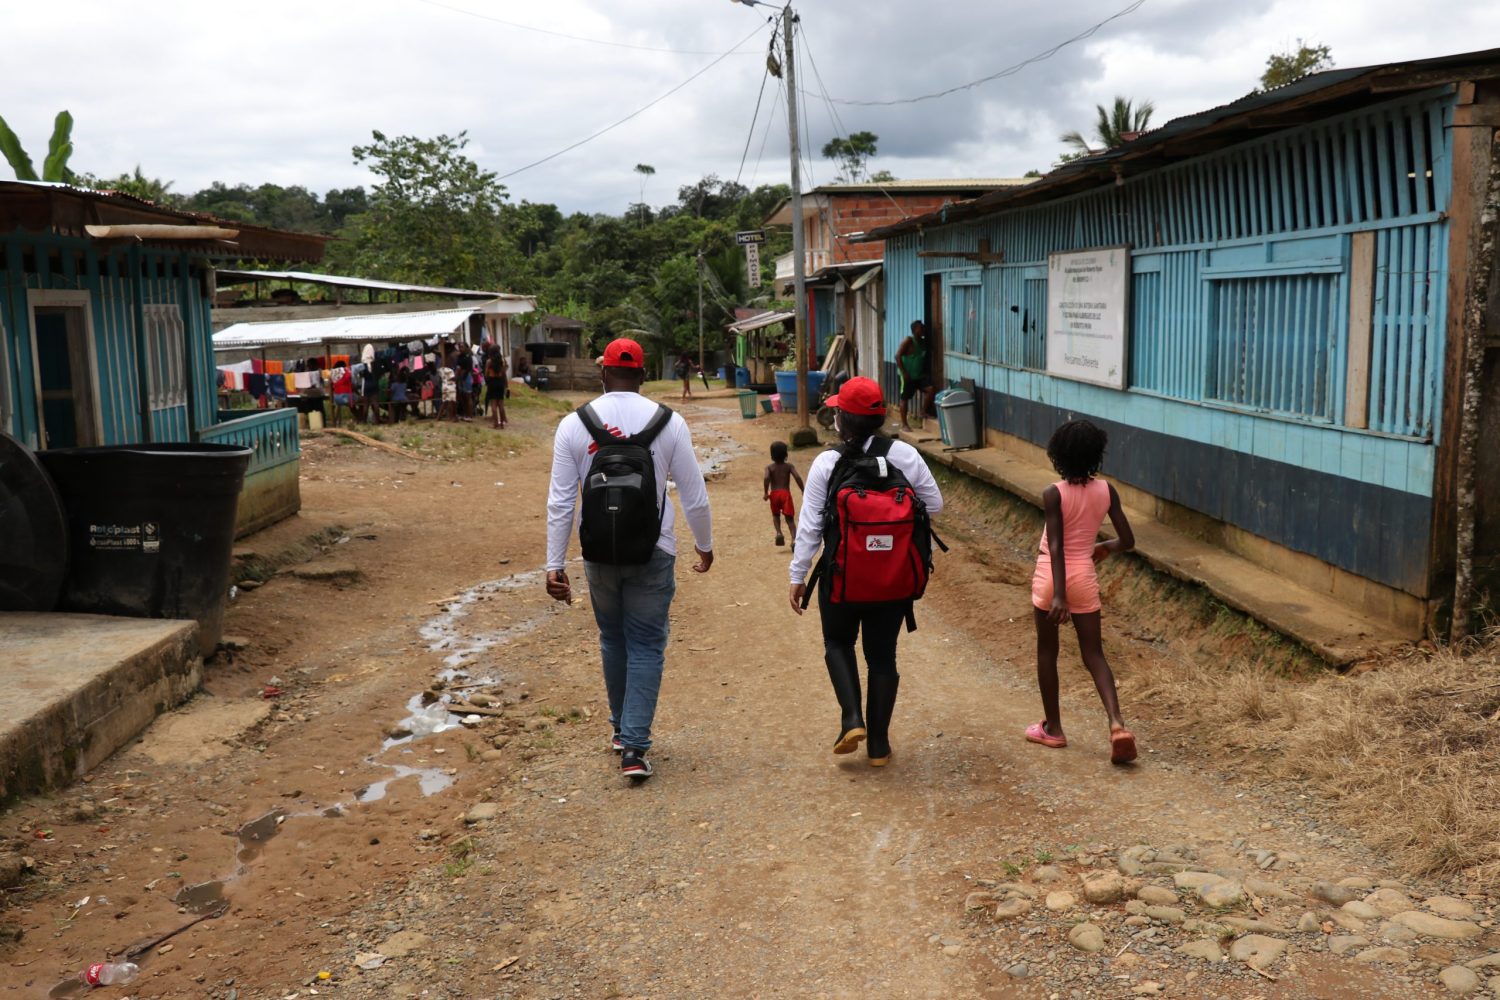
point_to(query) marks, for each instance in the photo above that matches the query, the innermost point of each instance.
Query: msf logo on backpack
(880, 543)
(621, 505)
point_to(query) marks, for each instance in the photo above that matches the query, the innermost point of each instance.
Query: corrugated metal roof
(1341, 87)
(760, 322)
(925, 184)
(367, 328)
(37, 206)
(233, 277)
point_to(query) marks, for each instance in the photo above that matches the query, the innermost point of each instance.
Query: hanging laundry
(276, 385)
(256, 385)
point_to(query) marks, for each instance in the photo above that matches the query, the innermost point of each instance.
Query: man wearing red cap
(631, 601)
(860, 412)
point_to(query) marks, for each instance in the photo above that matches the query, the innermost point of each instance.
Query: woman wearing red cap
(861, 412)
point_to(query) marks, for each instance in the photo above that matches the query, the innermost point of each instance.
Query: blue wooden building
(105, 336)
(1282, 343)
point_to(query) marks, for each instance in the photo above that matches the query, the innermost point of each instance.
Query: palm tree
(1113, 126)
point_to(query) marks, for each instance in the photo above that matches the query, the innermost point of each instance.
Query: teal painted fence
(271, 436)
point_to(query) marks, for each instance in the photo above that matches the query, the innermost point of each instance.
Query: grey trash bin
(958, 418)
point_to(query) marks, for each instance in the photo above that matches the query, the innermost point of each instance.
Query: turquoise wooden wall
(1237, 402)
(1242, 249)
(165, 277)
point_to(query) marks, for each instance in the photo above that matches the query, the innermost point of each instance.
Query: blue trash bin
(786, 385)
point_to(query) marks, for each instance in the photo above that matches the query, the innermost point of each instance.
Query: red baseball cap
(624, 353)
(860, 396)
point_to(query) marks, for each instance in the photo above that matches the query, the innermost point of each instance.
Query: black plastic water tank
(33, 538)
(150, 529)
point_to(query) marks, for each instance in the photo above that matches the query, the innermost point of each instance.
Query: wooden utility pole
(700, 311)
(799, 236)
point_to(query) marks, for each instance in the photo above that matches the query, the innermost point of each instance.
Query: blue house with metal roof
(105, 336)
(1264, 305)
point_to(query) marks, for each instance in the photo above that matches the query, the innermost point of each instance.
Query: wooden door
(935, 330)
(65, 401)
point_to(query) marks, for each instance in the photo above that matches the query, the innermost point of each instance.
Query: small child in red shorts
(778, 487)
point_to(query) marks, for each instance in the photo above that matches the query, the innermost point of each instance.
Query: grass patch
(460, 858)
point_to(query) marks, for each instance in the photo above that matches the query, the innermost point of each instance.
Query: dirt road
(753, 864)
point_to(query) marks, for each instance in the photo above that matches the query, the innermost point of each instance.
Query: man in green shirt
(914, 364)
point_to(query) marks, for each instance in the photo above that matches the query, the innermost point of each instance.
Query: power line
(633, 114)
(1008, 71)
(750, 135)
(770, 121)
(833, 114)
(562, 34)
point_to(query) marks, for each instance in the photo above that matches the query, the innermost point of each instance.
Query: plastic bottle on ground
(110, 974)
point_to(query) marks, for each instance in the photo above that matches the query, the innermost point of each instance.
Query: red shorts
(781, 503)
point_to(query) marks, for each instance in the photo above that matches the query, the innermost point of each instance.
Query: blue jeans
(630, 606)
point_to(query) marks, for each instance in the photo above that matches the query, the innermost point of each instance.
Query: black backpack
(622, 502)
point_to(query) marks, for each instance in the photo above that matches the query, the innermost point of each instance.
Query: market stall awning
(760, 322)
(367, 328)
(228, 276)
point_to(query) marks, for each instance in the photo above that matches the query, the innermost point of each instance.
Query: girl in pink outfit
(1075, 508)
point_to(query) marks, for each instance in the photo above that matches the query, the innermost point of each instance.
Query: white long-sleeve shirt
(810, 528)
(626, 414)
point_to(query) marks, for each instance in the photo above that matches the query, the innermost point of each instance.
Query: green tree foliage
(136, 183)
(433, 216)
(1111, 126)
(1283, 68)
(852, 154)
(59, 150)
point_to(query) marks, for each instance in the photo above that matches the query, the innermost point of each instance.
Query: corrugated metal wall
(164, 278)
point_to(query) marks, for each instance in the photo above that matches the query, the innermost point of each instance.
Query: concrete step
(1340, 634)
(78, 687)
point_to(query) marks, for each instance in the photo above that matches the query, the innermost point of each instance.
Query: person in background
(400, 390)
(464, 367)
(343, 392)
(523, 367)
(914, 366)
(684, 370)
(777, 487)
(496, 385)
(448, 388)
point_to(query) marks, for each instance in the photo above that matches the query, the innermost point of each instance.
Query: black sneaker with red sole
(634, 765)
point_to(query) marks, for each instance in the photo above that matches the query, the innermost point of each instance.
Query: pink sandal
(1037, 733)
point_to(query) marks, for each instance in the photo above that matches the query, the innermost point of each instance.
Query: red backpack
(877, 537)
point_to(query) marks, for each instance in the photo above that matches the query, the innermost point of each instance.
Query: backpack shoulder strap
(596, 430)
(879, 447)
(654, 427)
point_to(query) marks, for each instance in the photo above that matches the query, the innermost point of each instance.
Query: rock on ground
(1459, 980)
(1155, 895)
(1086, 937)
(1207, 950)
(1429, 925)
(1104, 887)
(1257, 950)
(1059, 901)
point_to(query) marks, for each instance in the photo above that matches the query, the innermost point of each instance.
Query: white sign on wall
(752, 264)
(1088, 300)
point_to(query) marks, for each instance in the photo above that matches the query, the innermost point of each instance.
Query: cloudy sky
(279, 91)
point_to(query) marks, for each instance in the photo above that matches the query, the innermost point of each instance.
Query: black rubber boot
(882, 703)
(843, 671)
